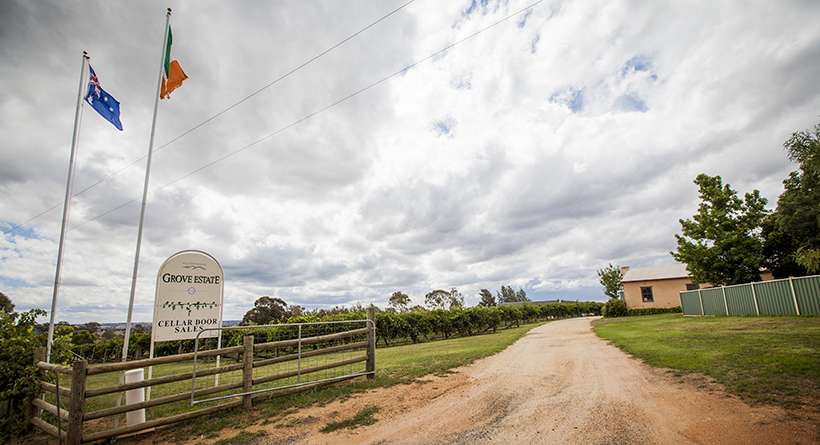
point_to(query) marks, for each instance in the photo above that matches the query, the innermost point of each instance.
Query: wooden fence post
(247, 371)
(371, 343)
(39, 355)
(76, 406)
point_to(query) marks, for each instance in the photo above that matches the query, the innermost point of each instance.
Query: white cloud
(532, 154)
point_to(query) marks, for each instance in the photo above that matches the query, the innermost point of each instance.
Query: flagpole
(142, 211)
(66, 206)
(145, 191)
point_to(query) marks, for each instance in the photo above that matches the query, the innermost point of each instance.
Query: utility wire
(299, 121)
(217, 115)
(372, 85)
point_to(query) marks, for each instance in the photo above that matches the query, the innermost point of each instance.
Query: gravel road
(561, 384)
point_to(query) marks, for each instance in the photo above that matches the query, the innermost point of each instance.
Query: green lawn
(773, 359)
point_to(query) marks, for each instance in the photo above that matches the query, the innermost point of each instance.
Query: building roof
(656, 273)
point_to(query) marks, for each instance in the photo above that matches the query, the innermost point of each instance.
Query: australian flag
(104, 103)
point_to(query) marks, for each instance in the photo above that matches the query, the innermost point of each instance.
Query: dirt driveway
(560, 384)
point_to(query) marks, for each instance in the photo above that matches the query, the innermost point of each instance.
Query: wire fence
(286, 355)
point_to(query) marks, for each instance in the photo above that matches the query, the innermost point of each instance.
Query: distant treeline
(422, 325)
(391, 328)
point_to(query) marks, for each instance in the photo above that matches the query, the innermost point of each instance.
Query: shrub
(653, 311)
(614, 308)
(617, 308)
(19, 375)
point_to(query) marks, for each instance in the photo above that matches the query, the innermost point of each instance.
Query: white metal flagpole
(145, 192)
(142, 211)
(66, 206)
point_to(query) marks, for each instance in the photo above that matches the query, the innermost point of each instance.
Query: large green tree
(456, 300)
(792, 233)
(82, 337)
(722, 244)
(508, 295)
(91, 326)
(399, 301)
(611, 277)
(487, 298)
(266, 310)
(442, 299)
(5, 304)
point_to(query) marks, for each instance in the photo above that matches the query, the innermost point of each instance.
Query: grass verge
(241, 438)
(769, 359)
(363, 417)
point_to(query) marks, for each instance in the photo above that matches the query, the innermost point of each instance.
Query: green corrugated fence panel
(740, 300)
(713, 303)
(775, 298)
(807, 290)
(690, 303)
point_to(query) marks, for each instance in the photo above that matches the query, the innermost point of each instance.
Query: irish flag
(172, 74)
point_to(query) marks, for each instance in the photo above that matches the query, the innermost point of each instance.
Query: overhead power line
(203, 123)
(372, 85)
(297, 122)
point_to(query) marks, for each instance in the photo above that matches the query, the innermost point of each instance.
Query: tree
(91, 326)
(436, 299)
(487, 298)
(722, 244)
(804, 148)
(508, 295)
(611, 277)
(63, 328)
(792, 232)
(6, 305)
(399, 301)
(809, 259)
(779, 248)
(266, 310)
(294, 311)
(82, 337)
(455, 300)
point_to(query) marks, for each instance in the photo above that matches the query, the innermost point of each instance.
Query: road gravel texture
(559, 384)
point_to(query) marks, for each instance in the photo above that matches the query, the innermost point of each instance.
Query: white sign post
(188, 299)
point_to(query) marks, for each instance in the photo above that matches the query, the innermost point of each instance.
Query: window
(690, 286)
(646, 294)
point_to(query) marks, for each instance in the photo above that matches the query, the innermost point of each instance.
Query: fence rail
(341, 350)
(789, 296)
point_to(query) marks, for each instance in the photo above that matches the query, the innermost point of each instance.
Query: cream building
(655, 286)
(661, 286)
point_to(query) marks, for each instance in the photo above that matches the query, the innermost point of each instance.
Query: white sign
(188, 297)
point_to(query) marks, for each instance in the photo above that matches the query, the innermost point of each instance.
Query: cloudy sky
(451, 144)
